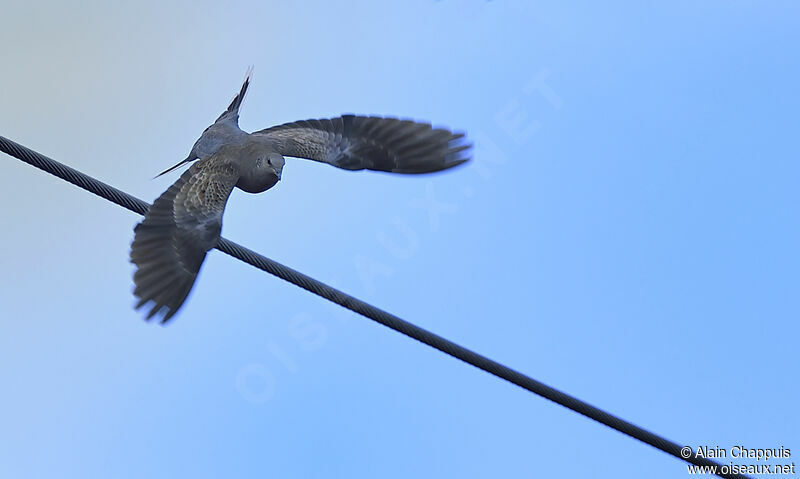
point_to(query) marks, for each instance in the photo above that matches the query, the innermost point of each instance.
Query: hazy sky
(627, 232)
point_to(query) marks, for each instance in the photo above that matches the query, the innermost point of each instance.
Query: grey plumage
(170, 244)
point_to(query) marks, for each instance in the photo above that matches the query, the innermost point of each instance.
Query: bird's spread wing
(373, 143)
(171, 242)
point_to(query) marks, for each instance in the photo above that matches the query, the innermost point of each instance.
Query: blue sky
(627, 232)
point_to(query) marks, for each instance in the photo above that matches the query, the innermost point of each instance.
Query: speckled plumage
(185, 222)
(373, 143)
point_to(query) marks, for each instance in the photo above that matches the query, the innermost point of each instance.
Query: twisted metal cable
(376, 314)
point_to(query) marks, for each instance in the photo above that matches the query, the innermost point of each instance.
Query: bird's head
(263, 156)
(275, 162)
(262, 168)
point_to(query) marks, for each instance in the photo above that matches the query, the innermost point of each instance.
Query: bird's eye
(269, 162)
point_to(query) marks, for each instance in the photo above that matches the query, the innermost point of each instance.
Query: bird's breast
(257, 180)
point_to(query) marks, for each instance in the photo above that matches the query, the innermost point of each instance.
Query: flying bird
(185, 222)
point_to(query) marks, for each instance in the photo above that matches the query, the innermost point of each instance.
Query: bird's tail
(236, 103)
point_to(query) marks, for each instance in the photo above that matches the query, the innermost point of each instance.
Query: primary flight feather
(170, 244)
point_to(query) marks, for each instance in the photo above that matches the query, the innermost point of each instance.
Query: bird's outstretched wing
(171, 242)
(373, 143)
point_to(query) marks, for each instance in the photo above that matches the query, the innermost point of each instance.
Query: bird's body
(226, 132)
(185, 222)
